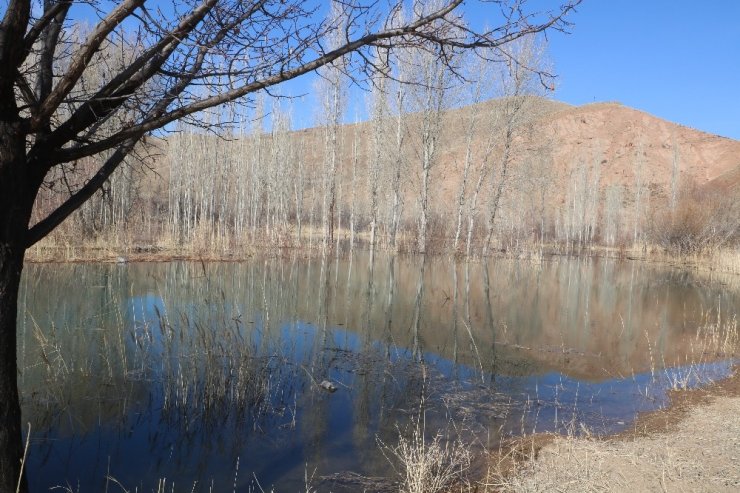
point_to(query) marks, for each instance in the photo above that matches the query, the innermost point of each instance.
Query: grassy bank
(112, 249)
(692, 445)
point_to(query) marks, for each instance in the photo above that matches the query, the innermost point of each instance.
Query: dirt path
(694, 445)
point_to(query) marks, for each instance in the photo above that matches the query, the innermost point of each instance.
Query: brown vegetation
(602, 175)
(702, 219)
(690, 446)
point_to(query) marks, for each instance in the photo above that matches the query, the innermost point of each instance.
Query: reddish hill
(726, 183)
(614, 133)
(617, 131)
(566, 150)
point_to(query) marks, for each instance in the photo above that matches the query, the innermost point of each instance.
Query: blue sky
(679, 60)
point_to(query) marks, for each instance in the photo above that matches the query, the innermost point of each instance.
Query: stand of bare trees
(438, 166)
(261, 183)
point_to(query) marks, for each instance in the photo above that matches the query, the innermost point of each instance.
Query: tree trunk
(16, 198)
(424, 206)
(11, 264)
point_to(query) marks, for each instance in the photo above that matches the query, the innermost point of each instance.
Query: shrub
(701, 220)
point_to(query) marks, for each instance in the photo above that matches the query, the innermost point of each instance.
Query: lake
(208, 376)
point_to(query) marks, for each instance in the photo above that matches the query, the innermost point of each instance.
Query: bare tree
(473, 121)
(675, 173)
(431, 84)
(639, 194)
(378, 105)
(195, 56)
(353, 186)
(332, 90)
(399, 161)
(518, 84)
(612, 207)
(299, 185)
(594, 198)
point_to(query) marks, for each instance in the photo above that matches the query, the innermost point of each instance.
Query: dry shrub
(702, 220)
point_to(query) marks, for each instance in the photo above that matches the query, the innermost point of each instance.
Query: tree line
(453, 157)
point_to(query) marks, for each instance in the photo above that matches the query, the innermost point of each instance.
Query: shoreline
(706, 263)
(692, 444)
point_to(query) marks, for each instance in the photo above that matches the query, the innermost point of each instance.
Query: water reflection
(209, 373)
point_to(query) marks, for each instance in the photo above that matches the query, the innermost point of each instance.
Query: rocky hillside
(617, 132)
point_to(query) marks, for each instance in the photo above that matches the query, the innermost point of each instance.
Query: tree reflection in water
(184, 370)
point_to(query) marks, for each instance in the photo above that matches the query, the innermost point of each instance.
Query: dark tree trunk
(16, 199)
(11, 264)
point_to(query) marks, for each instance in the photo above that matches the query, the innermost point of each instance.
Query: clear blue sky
(679, 60)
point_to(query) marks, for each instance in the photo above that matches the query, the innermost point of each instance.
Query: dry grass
(712, 261)
(428, 465)
(699, 453)
(728, 260)
(692, 445)
(722, 263)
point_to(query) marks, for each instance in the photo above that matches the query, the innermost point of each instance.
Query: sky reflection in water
(209, 373)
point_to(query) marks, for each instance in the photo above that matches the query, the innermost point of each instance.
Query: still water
(208, 376)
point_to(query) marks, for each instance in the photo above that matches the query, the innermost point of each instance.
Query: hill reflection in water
(209, 373)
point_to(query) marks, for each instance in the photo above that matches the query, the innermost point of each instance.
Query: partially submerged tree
(184, 58)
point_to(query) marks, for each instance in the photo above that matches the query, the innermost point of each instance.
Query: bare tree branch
(47, 225)
(56, 12)
(414, 30)
(81, 60)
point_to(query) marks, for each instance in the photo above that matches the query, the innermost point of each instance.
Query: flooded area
(213, 376)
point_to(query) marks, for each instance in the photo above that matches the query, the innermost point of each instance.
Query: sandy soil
(694, 445)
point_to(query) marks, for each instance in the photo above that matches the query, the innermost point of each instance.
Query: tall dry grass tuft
(717, 339)
(428, 465)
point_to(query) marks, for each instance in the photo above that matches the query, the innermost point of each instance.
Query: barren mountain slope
(617, 132)
(608, 134)
(726, 183)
